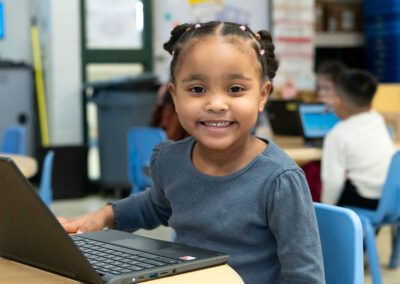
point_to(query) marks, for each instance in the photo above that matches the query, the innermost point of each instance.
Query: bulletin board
(293, 30)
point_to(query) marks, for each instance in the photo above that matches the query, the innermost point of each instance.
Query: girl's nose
(216, 103)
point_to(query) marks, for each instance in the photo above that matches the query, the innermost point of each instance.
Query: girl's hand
(93, 221)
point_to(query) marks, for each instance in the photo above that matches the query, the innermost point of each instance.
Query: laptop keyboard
(109, 259)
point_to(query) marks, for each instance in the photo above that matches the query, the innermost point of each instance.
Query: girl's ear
(265, 89)
(172, 91)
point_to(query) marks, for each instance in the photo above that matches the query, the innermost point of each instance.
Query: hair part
(357, 86)
(183, 34)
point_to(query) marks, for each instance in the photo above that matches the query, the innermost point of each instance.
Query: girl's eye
(197, 90)
(235, 89)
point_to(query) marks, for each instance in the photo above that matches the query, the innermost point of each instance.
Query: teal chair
(341, 238)
(14, 140)
(141, 141)
(45, 189)
(387, 213)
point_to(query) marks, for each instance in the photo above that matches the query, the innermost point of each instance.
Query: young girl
(224, 189)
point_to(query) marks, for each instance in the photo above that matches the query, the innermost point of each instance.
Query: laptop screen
(316, 120)
(283, 118)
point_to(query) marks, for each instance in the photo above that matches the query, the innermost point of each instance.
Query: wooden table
(16, 273)
(26, 164)
(295, 148)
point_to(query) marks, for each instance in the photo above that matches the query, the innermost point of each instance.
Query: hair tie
(258, 36)
(196, 26)
(188, 29)
(243, 28)
(271, 80)
(173, 53)
(262, 52)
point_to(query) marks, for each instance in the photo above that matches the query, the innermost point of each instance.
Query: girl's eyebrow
(202, 77)
(238, 76)
(194, 77)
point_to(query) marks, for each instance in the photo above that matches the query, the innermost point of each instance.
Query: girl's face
(218, 92)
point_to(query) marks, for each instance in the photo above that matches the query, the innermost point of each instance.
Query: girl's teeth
(217, 124)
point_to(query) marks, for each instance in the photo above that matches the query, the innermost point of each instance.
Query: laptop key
(145, 265)
(130, 262)
(155, 262)
(136, 268)
(146, 255)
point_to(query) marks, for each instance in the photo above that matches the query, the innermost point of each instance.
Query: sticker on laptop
(187, 257)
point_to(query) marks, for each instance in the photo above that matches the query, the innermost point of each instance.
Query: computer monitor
(316, 121)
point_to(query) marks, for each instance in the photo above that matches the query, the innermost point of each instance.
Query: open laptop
(283, 117)
(31, 234)
(316, 121)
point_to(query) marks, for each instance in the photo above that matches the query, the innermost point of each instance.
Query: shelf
(339, 39)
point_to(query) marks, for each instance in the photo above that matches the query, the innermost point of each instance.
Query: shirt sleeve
(333, 170)
(144, 210)
(292, 220)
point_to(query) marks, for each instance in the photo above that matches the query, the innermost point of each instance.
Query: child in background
(326, 76)
(358, 150)
(327, 73)
(223, 188)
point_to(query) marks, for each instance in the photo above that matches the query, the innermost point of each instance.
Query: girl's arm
(292, 220)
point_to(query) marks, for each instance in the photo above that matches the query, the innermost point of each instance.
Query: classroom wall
(59, 34)
(16, 44)
(63, 70)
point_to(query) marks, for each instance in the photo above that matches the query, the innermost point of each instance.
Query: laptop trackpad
(143, 243)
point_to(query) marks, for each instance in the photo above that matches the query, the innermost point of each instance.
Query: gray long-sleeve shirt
(261, 215)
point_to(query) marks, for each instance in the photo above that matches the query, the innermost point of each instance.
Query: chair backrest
(141, 141)
(45, 190)
(341, 237)
(389, 204)
(14, 140)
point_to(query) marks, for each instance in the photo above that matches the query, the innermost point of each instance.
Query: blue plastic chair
(45, 190)
(341, 237)
(387, 213)
(14, 140)
(141, 141)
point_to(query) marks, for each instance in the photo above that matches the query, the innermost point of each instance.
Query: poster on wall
(169, 13)
(114, 24)
(293, 30)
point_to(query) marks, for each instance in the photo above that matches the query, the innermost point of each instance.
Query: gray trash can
(121, 104)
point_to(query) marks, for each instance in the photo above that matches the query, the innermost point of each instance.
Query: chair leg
(394, 260)
(372, 252)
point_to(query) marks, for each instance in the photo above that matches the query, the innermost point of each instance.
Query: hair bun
(176, 33)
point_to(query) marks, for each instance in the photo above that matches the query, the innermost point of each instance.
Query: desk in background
(294, 147)
(16, 273)
(27, 165)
